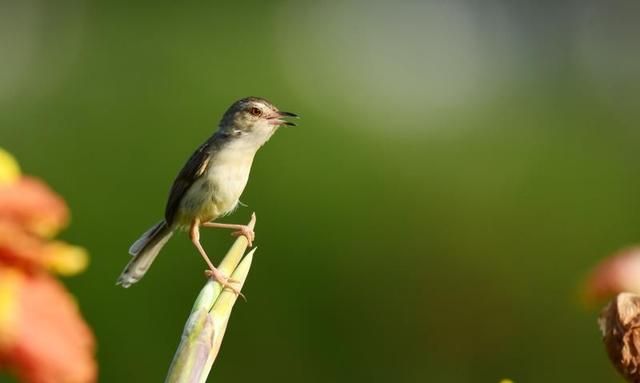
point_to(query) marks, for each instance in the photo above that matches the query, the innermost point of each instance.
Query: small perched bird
(210, 184)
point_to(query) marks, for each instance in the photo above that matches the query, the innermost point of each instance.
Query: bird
(209, 186)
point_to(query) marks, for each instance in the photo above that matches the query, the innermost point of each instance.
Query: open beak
(278, 118)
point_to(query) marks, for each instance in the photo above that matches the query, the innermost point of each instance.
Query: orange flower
(43, 338)
(32, 205)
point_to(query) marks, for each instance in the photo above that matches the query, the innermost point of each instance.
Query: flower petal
(617, 273)
(27, 251)
(9, 168)
(10, 283)
(65, 259)
(33, 205)
(53, 343)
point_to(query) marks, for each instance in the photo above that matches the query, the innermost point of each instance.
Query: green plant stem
(205, 328)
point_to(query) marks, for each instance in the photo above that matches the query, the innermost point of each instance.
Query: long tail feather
(144, 252)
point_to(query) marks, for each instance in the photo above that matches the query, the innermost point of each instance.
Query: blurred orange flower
(43, 338)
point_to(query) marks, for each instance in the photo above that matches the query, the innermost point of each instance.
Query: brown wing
(192, 170)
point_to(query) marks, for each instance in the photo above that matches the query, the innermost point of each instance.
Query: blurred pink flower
(43, 338)
(617, 273)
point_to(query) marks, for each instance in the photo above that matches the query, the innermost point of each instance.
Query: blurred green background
(458, 169)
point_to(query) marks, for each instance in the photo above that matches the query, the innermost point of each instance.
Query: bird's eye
(255, 111)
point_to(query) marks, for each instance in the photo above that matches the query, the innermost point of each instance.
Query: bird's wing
(195, 167)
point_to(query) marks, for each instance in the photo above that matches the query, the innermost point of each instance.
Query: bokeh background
(459, 168)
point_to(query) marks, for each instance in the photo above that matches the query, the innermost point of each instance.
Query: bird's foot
(224, 281)
(248, 232)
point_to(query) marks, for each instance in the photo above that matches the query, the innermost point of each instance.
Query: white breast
(228, 174)
(228, 181)
(218, 191)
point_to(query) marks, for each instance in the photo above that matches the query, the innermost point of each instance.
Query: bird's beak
(278, 118)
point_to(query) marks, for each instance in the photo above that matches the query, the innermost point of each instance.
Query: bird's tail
(144, 251)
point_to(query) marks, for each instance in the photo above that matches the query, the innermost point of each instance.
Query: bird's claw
(224, 281)
(247, 232)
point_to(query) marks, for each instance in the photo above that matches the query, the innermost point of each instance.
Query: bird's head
(254, 119)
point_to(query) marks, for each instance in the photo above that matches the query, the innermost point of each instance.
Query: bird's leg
(246, 230)
(213, 272)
